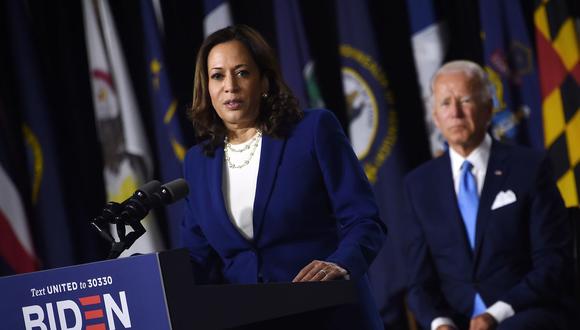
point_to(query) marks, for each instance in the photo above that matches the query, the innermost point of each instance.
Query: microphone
(134, 209)
(174, 190)
(151, 195)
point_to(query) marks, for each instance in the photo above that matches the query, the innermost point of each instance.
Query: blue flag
(374, 136)
(218, 15)
(429, 41)
(168, 135)
(297, 66)
(511, 69)
(51, 227)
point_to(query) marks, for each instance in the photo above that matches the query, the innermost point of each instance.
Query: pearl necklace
(252, 146)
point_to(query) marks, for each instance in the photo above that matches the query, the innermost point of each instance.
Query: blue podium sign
(124, 293)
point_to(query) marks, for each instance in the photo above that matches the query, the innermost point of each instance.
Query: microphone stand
(131, 211)
(113, 213)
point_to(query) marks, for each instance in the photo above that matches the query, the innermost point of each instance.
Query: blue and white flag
(218, 15)
(293, 51)
(429, 42)
(374, 133)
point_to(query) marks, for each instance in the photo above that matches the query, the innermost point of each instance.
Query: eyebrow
(235, 68)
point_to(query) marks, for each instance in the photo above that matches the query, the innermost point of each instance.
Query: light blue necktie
(468, 201)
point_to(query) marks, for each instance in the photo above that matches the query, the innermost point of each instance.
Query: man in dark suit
(487, 242)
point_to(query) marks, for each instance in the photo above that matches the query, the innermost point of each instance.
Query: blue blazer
(313, 201)
(522, 249)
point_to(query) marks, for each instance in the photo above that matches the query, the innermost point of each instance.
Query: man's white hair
(473, 71)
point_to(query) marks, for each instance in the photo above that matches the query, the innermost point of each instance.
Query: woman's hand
(320, 271)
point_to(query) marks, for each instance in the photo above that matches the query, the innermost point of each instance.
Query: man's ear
(435, 118)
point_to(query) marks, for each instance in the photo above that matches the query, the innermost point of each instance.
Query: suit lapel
(495, 175)
(269, 160)
(214, 180)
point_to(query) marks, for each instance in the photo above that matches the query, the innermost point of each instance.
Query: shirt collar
(479, 157)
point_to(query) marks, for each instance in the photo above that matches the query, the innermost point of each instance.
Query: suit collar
(272, 150)
(215, 180)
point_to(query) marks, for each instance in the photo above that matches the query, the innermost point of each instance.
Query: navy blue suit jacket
(521, 250)
(312, 201)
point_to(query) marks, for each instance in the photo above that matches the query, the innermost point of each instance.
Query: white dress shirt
(479, 158)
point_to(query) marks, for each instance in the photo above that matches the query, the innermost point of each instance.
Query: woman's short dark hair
(279, 111)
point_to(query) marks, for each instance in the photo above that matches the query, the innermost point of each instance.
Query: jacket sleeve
(425, 298)
(550, 246)
(361, 230)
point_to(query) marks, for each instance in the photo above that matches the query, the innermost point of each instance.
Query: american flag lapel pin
(498, 172)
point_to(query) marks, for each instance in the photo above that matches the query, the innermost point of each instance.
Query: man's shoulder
(518, 155)
(428, 170)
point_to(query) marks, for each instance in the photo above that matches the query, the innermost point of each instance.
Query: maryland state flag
(511, 69)
(559, 65)
(168, 135)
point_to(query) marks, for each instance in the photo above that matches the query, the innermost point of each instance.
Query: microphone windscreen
(174, 190)
(149, 188)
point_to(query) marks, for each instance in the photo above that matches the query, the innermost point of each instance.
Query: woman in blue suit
(277, 194)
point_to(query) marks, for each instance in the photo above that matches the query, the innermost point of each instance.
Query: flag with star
(559, 67)
(511, 68)
(168, 135)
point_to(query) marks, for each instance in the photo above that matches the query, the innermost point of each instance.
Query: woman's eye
(243, 73)
(216, 76)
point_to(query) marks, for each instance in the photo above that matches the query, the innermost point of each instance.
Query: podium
(155, 291)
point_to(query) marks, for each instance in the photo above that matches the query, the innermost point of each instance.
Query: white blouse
(239, 185)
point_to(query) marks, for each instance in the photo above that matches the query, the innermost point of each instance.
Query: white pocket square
(503, 198)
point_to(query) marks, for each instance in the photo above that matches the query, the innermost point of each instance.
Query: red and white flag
(16, 248)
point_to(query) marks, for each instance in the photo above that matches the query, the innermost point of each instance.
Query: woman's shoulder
(317, 117)
(195, 152)
(317, 113)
